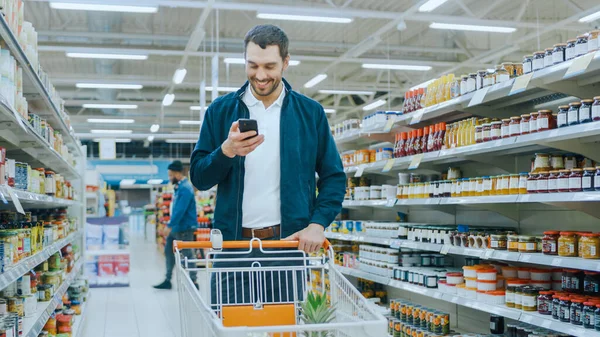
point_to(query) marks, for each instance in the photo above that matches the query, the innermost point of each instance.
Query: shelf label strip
(579, 65)
(520, 84)
(479, 96)
(15, 200)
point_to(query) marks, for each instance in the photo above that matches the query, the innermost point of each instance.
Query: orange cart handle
(241, 244)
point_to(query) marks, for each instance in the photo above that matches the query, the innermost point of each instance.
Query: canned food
(15, 305)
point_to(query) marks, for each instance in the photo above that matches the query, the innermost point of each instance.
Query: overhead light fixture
(474, 28)
(310, 18)
(127, 182)
(103, 8)
(154, 128)
(223, 89)
(154, 181)
(112, 131)
(168, 100)
(315, 80)
(590, 17)
(374, 105)
(108, 86)
(150, 138)
(190, 122)
(196, 108)
(111, 120)
(431, 5)
(346, 92)
(401, 26)
(110, 106)
(329, 111)
(181, 141)
(138, 57)
(395, 67)
(179, 75)
(239, 60)
(117, 140)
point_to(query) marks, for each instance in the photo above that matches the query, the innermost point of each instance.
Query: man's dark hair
(268, 35)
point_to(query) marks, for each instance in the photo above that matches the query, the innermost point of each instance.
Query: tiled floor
(137, 311)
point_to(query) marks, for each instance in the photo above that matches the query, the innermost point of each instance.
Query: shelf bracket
(571, 88)
(589, 208)
(589, 150)
(506, 210)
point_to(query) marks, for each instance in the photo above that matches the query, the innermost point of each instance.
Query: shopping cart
(252, 304)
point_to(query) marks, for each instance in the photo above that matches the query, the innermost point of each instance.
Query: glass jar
(498, 242)
(553, 182)
(479, 187)
(489, 79)
(548, 59)
(561, 119)
(515, 127)
(573, 113)
(597, 318)
(538, 60)
(529, 299)
(585, 111)
(487, 186)
(513, 243)
(568, 244)
(596, 109)
(591, 283)
(590, 245)
(505, 128)
(564, 311)
(527, 244)
(588, 315)
(570, 51)
(502, 75)
(555, 306)
(496, 131)
(581, 46)
(480, 79)
(463, 84)
(50, 183)
(543, 120)
(550, 242)
(563, 180)
(545, 302)
(575, 180)
(532, 183)
(587, 181)
(524, 125)
(479, 134)
(557, 162)
(518, 299)
(486, 134)
(541, 162)
(577, 311)
(472, 82)
(513, 184)
(533, 122)
(593, 40)
(542, 182)
(558, 53)
(597, 178)
(523, 182)
(527, 64)
(509, 296)
(504, 184)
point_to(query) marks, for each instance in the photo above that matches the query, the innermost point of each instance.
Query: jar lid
(568, 233)
(560, 45)
(487, 270)
(589, 168)
(589, 304)
(581, 36)
(471, 278)
(549, 49)
(597, 98)
(508, 119)
(50, 172)
(538, 53)
(496, 123)
(545, 111)
(587, 101)
(526, 237)
(487, 281)
(530, 290)
(564, 171)
(575, 104)
(578, 300)
(534, 113)
(577, 170)
(528, 56)
(515, 118)
(455, 274)
(546, 292)
(571, 40)
(590, 235)
(562, 107)
(551, 232)
(591, 273)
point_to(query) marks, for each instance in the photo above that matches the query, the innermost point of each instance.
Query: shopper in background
(267, 183)
(183, 221)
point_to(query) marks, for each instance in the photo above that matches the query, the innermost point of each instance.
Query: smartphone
(248, 125)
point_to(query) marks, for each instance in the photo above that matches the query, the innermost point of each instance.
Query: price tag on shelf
(359, 171)
(579, 65)
(488, 254)
(415, 162)
(15, 199)
(395, 244)
(388, 165)
(388, 126)
(525, 257)
(479, 96)
(445, 249)
(557, 262)
(391, 202)
(520, 84)
(417, 117)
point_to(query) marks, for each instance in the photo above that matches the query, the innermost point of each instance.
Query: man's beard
(273, 88)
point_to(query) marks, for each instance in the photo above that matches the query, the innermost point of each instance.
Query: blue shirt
(184, 216)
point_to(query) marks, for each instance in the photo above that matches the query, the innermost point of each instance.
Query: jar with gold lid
(581, 46)
(570, 50)
(548, 57)
(558, 53)
(538, 60)
(510, 69)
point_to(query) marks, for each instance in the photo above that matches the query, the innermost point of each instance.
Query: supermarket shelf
(107, 252)
(33, 326)
(37, 200)
(11, 274)
(80, 319)
(23, 143)
(526, 317)
(359, 238)
(33, 87)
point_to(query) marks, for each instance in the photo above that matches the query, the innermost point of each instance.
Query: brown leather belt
(262, 233)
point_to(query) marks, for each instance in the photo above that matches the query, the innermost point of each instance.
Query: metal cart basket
(256, 288)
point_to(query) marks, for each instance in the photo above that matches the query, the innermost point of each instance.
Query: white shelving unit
(80, 320)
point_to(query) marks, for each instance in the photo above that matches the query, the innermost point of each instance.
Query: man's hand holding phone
(240, 143)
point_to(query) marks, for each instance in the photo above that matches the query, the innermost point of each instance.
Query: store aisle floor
(137, 311)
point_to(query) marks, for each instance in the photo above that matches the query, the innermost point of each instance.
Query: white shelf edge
(106, 252)
(39, 199)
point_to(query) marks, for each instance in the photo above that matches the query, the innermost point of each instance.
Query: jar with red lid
(515, 126)
(532, 183)
(542, 182)
(544, 120)
(533, 122)
(575, 180)
(487, 128)
(553, 182)
(544, 304)
(496, 131)
(561, 118)
(479, 134)
(524, 126)
(505, 129)
(550, 243)
(563, 180)
(596, 109)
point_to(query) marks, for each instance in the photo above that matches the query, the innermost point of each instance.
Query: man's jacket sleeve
(332, 179)
(208, 165)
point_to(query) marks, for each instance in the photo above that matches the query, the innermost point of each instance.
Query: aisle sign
(478, 96)
(359, 171)
(579, 65)
(520, 84)
(388, 165)
(417, 117)
(415, 162)
(15, 199)
(388, 126)
(107, 149)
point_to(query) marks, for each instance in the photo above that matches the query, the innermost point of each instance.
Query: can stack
(408, 320)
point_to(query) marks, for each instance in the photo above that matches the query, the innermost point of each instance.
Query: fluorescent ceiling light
(117, 140)
(190, 122)
(181, 141)
(112, 131)
(154, 181)
(374, 105)
(395, 67)
(493, 29)
(590, 17)
(108, 56)
(111, 120)
(431, 5)
(109, 106)
(127, 182)
(223, 89)
(168, 100)
(329, 111)
(150, 138)
(239, 60)
(108, 86)
(196, 108)
(154, 128)
(311, 18)
(346, 92)
(103, 8)
(315, 80)
(179, 75)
